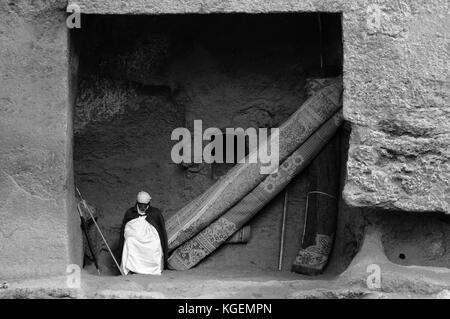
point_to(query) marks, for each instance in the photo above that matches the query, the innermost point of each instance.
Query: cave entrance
(142, 76)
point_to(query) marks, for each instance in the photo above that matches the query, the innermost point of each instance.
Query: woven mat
(244, 177)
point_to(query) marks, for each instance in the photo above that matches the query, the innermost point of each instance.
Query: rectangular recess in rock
(142, 76)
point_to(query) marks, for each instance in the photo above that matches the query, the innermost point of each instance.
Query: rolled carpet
(243, 177)
(321, 211)
(209, 239)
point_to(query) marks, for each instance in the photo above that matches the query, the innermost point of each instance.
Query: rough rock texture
(396, 79)
(396, 96)
(39, 229)
(403, 280)
(100, 100)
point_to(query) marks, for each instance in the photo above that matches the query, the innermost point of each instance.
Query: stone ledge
(210, 6)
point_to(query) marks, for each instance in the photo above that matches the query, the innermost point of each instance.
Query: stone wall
(396, 78)
(39, 230)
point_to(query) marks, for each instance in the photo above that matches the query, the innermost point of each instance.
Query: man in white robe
(143, 239)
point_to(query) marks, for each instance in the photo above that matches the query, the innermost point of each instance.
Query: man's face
(143, 207)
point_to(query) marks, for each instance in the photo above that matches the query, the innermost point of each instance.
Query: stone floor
(397, 281)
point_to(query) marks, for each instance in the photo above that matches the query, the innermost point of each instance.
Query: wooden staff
(283, 229)
(98, 228)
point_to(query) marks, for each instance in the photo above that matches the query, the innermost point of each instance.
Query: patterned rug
(242, 178)
(206, 241)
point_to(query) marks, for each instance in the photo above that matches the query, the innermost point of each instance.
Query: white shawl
(142, 251)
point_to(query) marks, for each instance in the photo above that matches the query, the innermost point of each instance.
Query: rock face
(39, 228)
(396, 93)
(397, 97)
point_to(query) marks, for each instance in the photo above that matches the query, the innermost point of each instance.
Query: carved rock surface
(39, 229)
(396, 93)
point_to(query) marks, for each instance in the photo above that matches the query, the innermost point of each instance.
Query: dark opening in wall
(140, 77)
